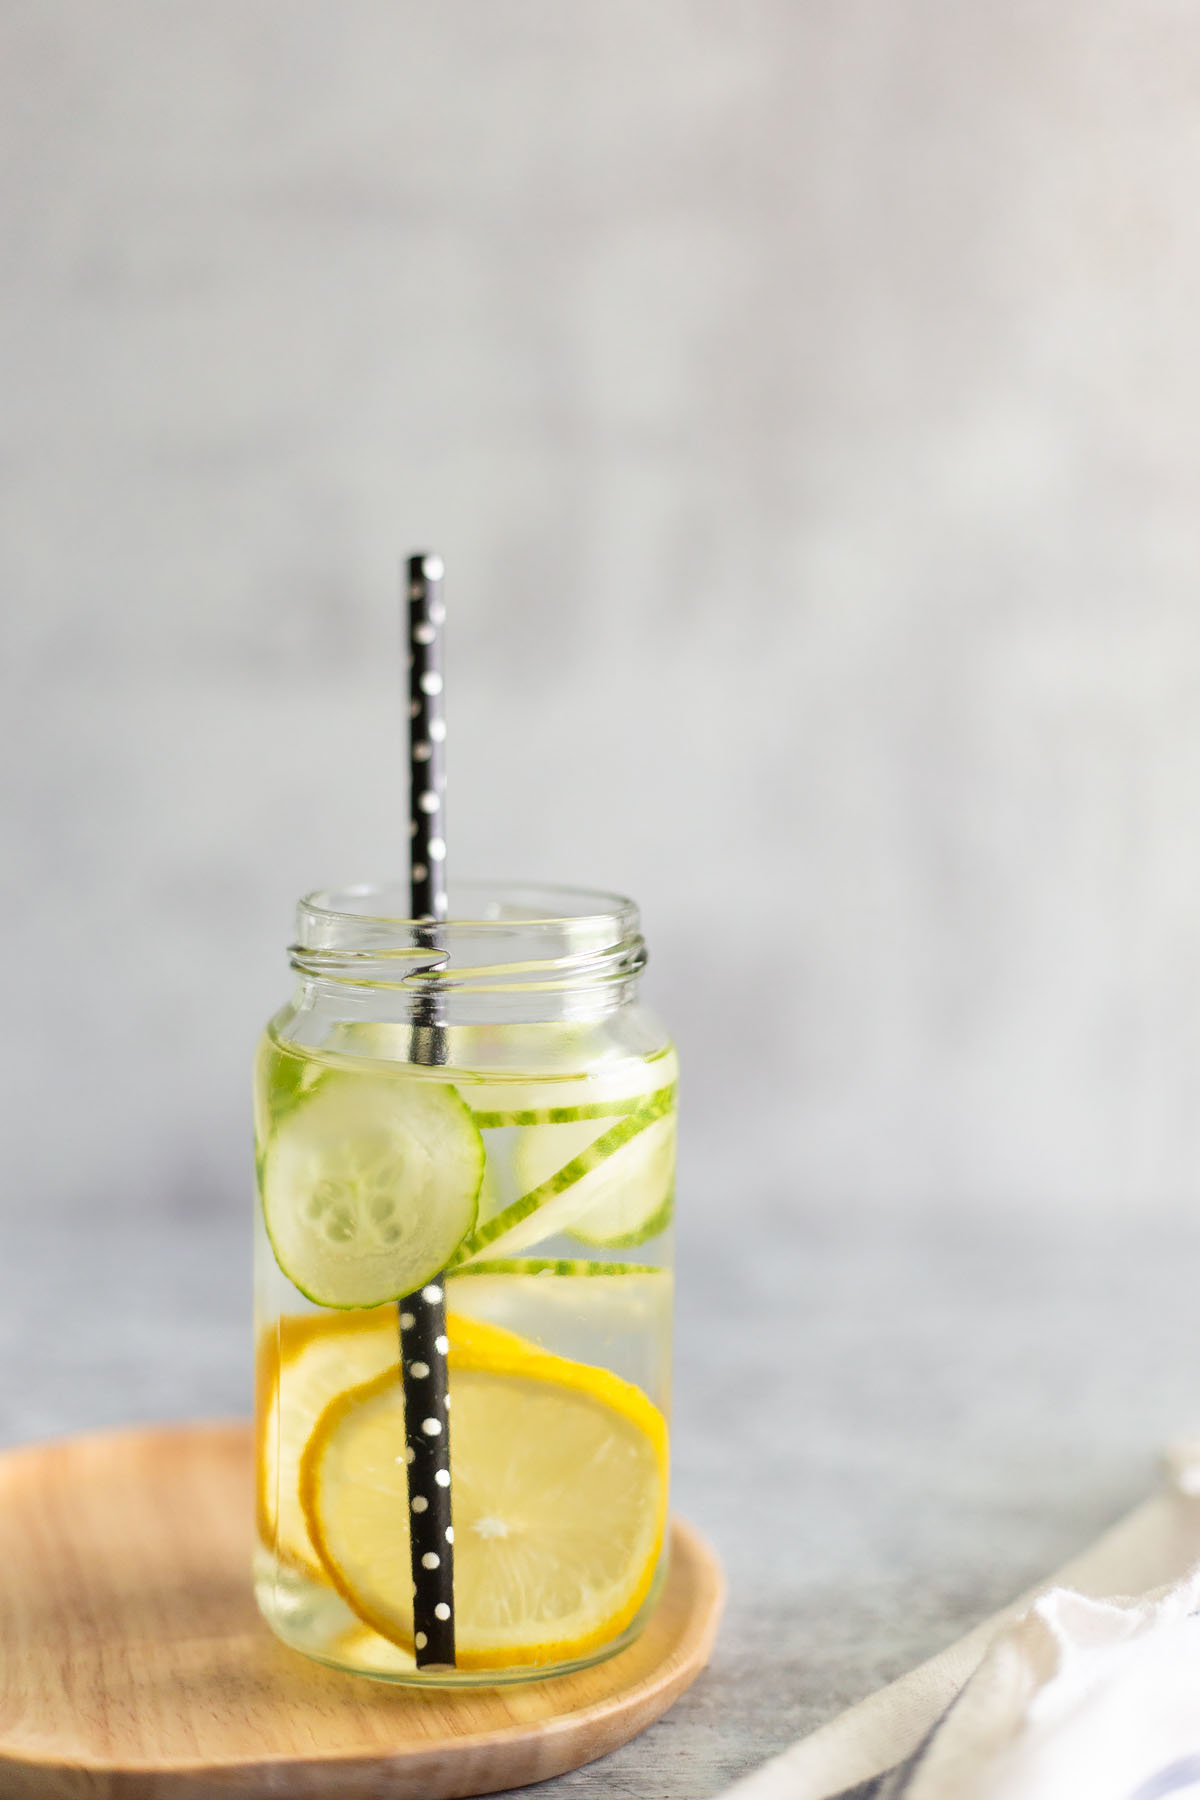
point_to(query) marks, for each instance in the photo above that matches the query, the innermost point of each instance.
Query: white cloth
(1074, 1693)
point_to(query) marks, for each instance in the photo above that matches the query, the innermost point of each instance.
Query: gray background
(804, 396)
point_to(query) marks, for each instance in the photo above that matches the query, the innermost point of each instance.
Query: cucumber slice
(556, 1115)
(638, 1199)
(603, 1090)
(281, 1080)
(369, 1185)
(612, 1182)
(546, 1145)
(568, 1266)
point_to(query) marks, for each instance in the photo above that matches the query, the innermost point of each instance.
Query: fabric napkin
(1077, 1692)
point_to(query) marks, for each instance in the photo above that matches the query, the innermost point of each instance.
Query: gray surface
(803, 393)
(888, 1429)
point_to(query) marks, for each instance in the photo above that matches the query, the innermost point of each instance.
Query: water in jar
(532, 1177)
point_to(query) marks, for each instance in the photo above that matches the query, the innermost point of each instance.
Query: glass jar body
(519, 1031)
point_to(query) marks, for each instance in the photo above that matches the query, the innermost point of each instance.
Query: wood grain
(135, 1665)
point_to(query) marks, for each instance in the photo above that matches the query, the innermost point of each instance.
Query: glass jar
(478, 1114)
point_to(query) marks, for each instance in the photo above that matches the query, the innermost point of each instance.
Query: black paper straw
(423, 1342)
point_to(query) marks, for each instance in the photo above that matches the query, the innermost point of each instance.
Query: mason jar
(478, 1114)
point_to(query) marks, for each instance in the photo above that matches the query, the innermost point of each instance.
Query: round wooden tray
(136, 1667)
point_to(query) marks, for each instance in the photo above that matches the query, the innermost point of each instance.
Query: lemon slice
(302, 1366)
(617, 1315)
(363, 1648)
(559, 1486)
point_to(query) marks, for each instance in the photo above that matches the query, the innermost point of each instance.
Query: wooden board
(135, 1665)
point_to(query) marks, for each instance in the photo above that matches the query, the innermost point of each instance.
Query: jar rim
(529, 903)
(500, 936)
